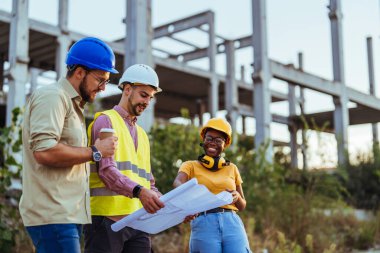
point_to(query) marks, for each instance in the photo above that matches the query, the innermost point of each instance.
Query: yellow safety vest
(134, 165)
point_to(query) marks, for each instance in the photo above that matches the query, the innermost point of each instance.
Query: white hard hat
(141, 74)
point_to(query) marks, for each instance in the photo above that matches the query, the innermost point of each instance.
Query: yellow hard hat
(220, 125)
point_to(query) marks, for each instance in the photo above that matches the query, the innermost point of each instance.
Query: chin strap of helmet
(213, 163)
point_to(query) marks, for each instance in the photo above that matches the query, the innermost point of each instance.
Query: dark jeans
(99, 238)
(56, 238)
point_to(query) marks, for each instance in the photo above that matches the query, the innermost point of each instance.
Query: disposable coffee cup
(106, 132)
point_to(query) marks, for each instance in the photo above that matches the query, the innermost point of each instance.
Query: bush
(171, 145)
(285, 207)
(362, 183)
(13, 236)
(288, 210)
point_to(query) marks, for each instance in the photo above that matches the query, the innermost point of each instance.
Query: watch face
(97, 156)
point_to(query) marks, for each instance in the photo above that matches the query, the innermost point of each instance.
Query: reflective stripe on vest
(126, 166)
(132, 163)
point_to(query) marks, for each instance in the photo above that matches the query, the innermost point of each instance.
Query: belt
(216, 210)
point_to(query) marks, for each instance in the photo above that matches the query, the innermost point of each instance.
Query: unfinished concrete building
(29, 47)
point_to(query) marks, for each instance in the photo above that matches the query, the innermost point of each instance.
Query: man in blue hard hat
(55, 197)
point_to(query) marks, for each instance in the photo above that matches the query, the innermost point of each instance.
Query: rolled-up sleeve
(47, 118)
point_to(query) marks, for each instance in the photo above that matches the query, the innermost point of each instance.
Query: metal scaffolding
(32, 47)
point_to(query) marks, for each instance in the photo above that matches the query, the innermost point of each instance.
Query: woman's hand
(235, 196)
(190, 218)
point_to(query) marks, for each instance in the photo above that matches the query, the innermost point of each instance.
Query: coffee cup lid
(107, 130)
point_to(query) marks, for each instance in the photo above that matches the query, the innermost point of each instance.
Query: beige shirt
(54, 195)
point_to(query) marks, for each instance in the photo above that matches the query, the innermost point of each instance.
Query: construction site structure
(30, 47)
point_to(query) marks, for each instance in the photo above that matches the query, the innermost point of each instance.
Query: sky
(293, 26)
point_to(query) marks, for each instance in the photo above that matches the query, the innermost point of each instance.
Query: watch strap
(95, 152)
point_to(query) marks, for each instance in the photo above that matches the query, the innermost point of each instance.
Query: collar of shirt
(123, 113)
(68, 87)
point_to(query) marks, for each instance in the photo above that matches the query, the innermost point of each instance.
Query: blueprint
(187, 199)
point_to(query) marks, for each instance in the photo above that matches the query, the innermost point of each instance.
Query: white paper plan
(187, 199)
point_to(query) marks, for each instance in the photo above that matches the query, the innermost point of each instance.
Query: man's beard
(84, 91)
(134, 107)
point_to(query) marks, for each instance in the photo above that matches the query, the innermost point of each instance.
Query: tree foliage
(362, 181)
(288, 210)
(282, 200)
(172, 144)
(12, 234)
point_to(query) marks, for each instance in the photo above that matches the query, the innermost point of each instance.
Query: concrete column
(231, 96)
(63, 40)
(1, 72)
(293, 128)
(18, 56)
(201, 108)
(138, 46)
(242, 73)
(243, 122)
(261, 78)
(372, 88)
(34, 72)
(341, 117)
(302, 110)
(214, 83)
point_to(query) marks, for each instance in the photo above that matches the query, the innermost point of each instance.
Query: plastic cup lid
(107, 130)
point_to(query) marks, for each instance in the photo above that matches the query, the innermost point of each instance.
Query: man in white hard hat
(124, 183)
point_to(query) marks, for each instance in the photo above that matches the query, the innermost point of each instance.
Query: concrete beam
(202, 52)
(183, 42)
(247, 111)
(5, 16)
(182, 25)
(310, 81)
(292, 75)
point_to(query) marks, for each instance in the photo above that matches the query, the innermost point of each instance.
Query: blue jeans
(218, 233)
(56, 238)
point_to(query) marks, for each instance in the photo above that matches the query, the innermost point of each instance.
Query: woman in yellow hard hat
(221, 229)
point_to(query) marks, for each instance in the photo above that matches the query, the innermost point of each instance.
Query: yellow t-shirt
(227, 177)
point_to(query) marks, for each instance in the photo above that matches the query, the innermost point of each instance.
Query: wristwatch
(136, 191)
(96, 155)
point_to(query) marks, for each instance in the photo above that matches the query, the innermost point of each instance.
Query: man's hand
(106, 146)
(159, 194)
(150, 200)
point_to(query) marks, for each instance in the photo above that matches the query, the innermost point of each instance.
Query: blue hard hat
(93, 54)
